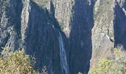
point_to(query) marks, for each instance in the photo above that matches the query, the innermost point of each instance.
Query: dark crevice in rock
(42, 39)
(4, 41)
(52, 9)
(80, 37)
(119, 26)
(14, 15)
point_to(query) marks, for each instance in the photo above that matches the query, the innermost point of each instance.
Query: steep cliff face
(10, 24)
(103, 31)
(63, 34)
(63, 14)
(119, 23)
(26, 25)
(42, 39)
(109, 27)
(54, 34)
(80, 36)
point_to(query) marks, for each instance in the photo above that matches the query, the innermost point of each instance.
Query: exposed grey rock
(86, 26)
(103, 31)
(10, 24)
(25, 18)
(109, 27)
(63, 14)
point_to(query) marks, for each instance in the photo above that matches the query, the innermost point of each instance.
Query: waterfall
(63, 57)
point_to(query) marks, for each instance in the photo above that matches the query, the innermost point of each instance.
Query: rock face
(10, 24)
(80, 36)
(119, 23)
(63, 14)
(63, 34)
(103, 31)
(109, 27)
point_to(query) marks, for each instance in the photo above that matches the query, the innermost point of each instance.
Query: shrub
(16, 63)
(114, 65)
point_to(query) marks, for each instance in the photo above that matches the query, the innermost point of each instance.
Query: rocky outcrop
(103, 31)
(63, 14)
(63, 34)
(10, 24)
(109, 27)
(30, 27)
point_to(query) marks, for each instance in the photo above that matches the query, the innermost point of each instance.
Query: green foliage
(16, 63)
(114, 65)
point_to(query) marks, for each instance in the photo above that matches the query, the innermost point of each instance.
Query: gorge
(66, 36)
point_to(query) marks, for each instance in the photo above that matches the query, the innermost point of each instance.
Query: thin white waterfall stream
(63, 57)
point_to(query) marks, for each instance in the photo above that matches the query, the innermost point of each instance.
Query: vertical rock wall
(86, 26)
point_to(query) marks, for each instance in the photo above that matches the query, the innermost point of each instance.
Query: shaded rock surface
(88, 28)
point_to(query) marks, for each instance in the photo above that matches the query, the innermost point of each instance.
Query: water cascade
(63, 57)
